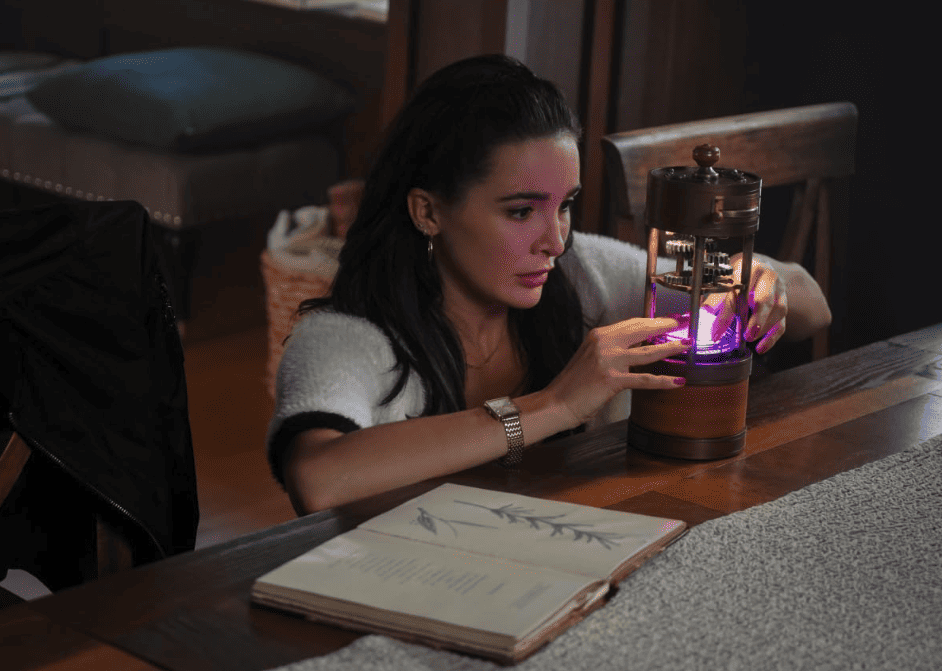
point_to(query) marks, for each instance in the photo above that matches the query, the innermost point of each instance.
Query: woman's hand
(768, 305)
(602, 366)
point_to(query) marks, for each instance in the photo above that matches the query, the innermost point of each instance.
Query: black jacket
(91, 366)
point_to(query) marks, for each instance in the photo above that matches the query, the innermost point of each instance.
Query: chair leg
(811, 212)
(114, 552)
(821, 345)
(12, 460)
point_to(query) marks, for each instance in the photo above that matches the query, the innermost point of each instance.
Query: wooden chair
(809, 147)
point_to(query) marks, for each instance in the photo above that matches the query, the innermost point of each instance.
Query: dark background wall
(805, 52)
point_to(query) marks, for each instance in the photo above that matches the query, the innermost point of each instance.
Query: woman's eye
(520, 212)
(567, 204)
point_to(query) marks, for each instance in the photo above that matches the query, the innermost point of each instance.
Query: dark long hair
(443, 141)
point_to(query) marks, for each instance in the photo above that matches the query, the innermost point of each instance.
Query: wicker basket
(285, 288)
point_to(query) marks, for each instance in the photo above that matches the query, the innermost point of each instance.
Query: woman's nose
(553, 240)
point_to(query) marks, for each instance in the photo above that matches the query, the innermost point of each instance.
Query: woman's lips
(533, 280)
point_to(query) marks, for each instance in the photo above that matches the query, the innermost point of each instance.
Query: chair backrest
(806, 146)
(783, 147)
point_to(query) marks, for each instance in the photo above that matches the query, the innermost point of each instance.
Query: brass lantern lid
(704, 200)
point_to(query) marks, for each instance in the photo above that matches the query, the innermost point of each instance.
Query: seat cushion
(190, 99)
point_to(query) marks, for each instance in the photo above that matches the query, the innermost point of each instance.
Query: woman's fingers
(723, 308)
(768, 304)
(602, 366)
(639, 356)
(648, 381)
(769, 307)
(638, 330)
(771, 337)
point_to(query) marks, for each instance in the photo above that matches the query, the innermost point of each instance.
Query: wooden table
(192, 611)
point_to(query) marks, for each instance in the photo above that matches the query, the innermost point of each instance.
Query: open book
(490, 573)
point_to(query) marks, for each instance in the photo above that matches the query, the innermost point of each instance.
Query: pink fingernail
(680, 381)
(686, 342)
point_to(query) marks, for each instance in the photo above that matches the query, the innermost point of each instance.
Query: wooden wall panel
(555, 39)
(449, 30)
(680, 61)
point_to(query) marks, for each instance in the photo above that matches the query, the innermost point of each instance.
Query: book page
(425, 581)
(566, 536)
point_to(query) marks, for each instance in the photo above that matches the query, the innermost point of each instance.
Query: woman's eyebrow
(537, 195)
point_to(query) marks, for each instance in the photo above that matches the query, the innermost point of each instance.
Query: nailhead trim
(48, 185)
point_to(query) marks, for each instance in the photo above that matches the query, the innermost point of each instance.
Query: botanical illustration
(428, 521)
(518, 515)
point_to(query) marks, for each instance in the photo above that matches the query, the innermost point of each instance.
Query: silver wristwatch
(506, 411)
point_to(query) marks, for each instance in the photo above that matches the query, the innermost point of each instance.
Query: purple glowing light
(728, 342)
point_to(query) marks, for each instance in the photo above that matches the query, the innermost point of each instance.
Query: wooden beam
(400, 39)
(596, 116)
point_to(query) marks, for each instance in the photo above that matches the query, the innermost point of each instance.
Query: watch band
(504, 410)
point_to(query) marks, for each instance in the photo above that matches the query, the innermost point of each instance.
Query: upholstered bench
(213, 142)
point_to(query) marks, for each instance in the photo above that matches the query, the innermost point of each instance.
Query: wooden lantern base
(698, 422)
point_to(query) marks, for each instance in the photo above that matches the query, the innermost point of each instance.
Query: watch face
(502, 406)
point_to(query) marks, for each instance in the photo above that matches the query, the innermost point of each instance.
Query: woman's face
(495, 247)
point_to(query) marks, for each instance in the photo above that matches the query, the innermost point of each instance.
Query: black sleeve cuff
(280, 446)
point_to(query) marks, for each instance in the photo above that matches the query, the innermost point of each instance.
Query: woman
(460, 283)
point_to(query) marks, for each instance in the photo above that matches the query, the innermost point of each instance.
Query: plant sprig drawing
(427, 520)
(518, 515)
